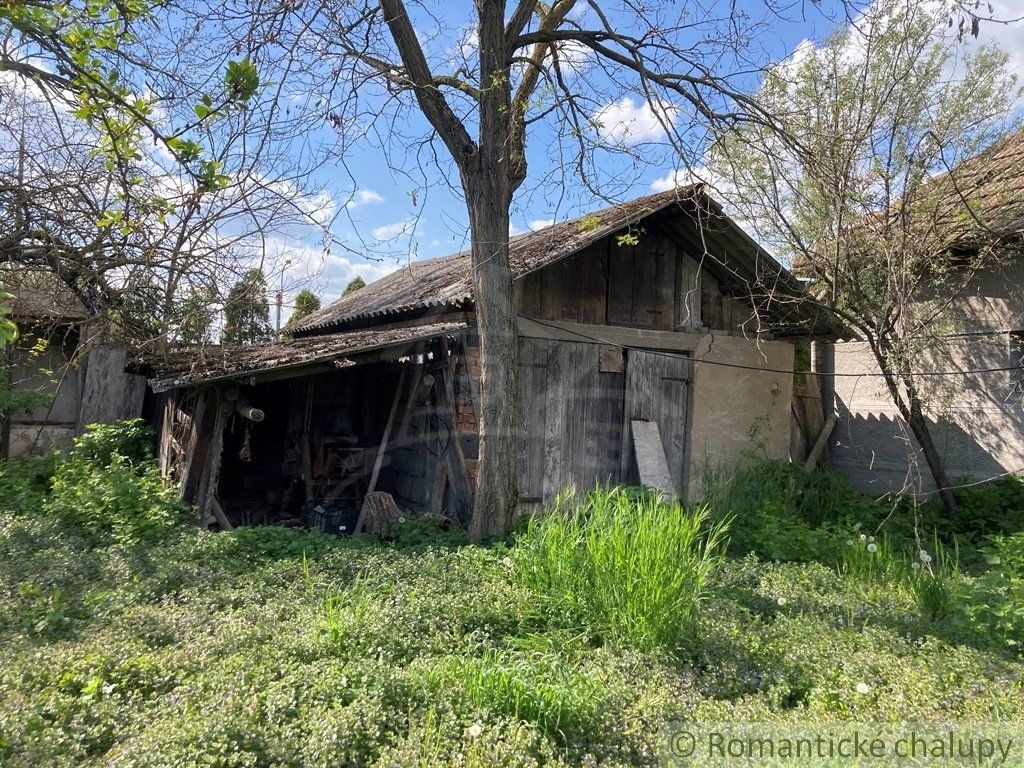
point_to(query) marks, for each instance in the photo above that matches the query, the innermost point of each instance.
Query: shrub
(24, 483)
(102, 443)
(109, 484)
(628, 565)
(995, 606)
(782, 512)
(121, 498)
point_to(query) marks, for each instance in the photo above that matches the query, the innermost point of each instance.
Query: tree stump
(378, 513)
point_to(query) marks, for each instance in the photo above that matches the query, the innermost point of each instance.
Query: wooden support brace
(383, 449)
(210, 503)
(821, 442)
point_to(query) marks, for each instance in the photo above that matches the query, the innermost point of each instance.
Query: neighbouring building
(977, 418)
(658, 310)
(74, 377)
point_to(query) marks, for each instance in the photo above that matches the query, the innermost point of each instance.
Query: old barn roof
(983, 197)
(40, 296)
(446, 281)
(216, 363)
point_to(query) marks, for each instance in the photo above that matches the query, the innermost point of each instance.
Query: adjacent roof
(447, 282)
(208, 364)
(39, 296)
(983, 197)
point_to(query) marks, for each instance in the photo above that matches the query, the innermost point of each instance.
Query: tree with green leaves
(195, 316)
(857, 183)
(354, 285)
(306, 303)
(129, 165)
(247, 311)
(8, 329)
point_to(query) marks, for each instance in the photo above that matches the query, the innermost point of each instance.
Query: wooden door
(658, 389)
(571, 416)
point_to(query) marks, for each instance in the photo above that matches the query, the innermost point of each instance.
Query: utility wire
(741, 366)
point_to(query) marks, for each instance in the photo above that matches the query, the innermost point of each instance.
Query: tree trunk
(912, 411)
(922, 431)
(486, 179)
(496, 486)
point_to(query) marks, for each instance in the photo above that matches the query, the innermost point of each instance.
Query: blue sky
(388, 218)
(387, 200)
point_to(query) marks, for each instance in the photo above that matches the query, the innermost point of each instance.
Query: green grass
(624, 565)
(273, 647)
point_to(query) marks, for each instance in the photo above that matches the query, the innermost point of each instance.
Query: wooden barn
(660, 311)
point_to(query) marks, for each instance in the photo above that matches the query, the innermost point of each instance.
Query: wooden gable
(655, 283)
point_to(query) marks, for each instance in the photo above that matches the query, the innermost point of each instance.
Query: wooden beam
(246, 411)
(821, 442)
(307, 459)
(210, 503)
(639, 338)
(383, 449)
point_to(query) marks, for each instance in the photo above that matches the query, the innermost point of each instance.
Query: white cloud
(623, 122)
(325, 273)
(536, 224)
(1007, 36)
(717, 185)
(364, 197)
(393, 230)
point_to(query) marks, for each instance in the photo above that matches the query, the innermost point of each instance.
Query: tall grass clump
(782, 512)
(625, 564)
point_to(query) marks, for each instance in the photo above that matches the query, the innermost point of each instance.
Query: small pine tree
(356, 283)
(247, 311)
(306, 303)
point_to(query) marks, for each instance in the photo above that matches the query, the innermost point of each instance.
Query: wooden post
(819, 444)
(307, 459)
(455, 461)
(383, 449)
(210, 503)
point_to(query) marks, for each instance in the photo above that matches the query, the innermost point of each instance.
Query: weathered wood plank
(674, 341)
(658, 390)
(620, 285)
(650, 456)
(554, 421)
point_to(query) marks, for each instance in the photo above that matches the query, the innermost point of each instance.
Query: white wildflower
(475, 730)
(506, 561)
(924, 556)
(401, 519)
(915, 566)
(871, 538)
(863, 537)
(863, 689)
(849, 542)
(872, 548)
(782, 601)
